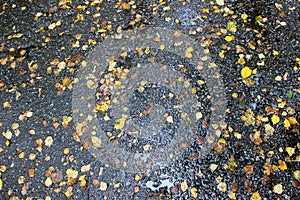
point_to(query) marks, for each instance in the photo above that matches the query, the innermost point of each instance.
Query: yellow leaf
(213, 167)
(1, 184)
(235, 95)
(6, 104)
(220, 2)
(246, 72)
(184, 186)
(188, 52)
(126, 6)
(278, 189)
(170, 119)
(293, 120)
(101, 31)
(52, 26)
(199, 115)
(71, 174)
(69, 191)
(244, 16)
(48, 182)
(286, 123)
(103, 186)
(2, 168)
(82, 181)
(255, 196)
(84, 63)
(229, 38)
(117, 185)
(96, 141)
(102, 107)
(221, 54)
(80, 17)
(120, 124)
(137, 177)
(275, 119)
(222, 187)
(290, 150)
(194, 192)
(296, 175)
(241, 61)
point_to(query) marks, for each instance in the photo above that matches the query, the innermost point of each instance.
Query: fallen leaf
(282, 165)
(103, 186)
(246, 72)
(69, 191)
(82, 181)
(220, 2)
(57, 176)
(170, 119)
(71, 174)
(48, 182)
(278, 189)
(137, 177)
(286, 123)
(222, 187)
(188, 52)
(290, 150)
(85, 168)
(229, 38)
(194, 192)
(31, 173)
(248, 169)
(231, 26)
(297, 174)
(120, 123)
(1, 184)
(96, 141)
(48, 141)
(213, 167)
(184, 186)
(275, 119)
(293, 120)
(255, 196)
(198, 115)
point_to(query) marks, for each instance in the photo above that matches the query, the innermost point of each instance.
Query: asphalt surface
(253, 44)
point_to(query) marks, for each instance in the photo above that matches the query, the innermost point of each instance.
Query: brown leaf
(193, 156)
(247, 185)
(248, 169)
(57, 176)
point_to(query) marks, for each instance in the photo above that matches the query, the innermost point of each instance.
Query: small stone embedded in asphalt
(252, 45)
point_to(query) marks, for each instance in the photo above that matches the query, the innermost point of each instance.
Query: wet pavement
(201, 102)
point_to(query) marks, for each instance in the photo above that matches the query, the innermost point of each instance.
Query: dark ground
(258, 157)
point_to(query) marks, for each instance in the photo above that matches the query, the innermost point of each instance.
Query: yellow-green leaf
(229, 38)
(231, 26)
(120, 124)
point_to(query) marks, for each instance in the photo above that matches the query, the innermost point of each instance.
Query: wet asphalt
(252, 160)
